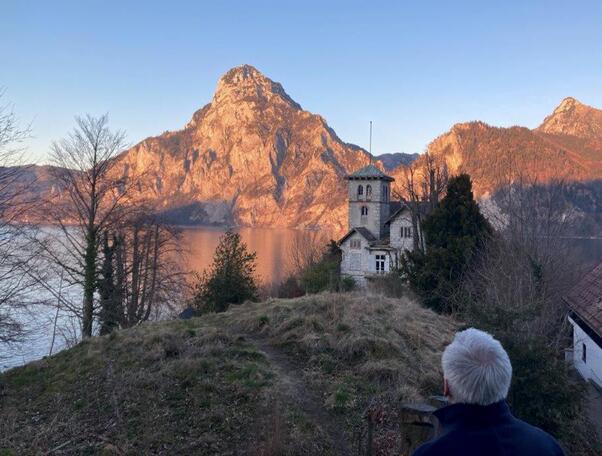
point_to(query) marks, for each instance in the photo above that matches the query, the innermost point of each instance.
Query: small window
(355, 244)
(406, 231)
(385, 193)
(364, 210)
(584, 353)
(380, 264)
(360, 192)
(368, 191)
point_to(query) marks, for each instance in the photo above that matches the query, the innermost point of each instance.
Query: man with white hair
(477, 374)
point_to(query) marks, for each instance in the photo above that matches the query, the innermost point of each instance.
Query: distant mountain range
(253, 156)
(392, 161)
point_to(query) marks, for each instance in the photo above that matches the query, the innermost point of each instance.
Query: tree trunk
(89, 283)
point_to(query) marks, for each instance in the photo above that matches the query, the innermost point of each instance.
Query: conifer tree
(454, 231)
(231, 278)
(109, 305)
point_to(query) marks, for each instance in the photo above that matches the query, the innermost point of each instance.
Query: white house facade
(585, 303)
(379, 229)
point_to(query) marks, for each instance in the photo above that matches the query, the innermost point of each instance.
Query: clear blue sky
(415, 68)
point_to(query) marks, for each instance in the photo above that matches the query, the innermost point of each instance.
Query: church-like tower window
(360, 192)
(368, 192)
(364, 211)
(385, 193)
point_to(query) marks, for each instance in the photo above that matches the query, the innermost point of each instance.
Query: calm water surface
(273, 252)
(272, 246)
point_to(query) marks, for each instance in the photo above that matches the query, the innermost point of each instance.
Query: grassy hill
(278, 377)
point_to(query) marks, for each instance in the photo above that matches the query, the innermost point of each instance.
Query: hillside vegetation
(278, 377)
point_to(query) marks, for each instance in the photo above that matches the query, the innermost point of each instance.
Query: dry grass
(357, 350)
(212, 385)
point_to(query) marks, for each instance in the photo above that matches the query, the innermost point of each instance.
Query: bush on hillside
(514, 292)
(290, 288)
(231, 278)
(391, 285)
(316, 269)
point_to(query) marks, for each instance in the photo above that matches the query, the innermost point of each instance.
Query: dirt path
(291, 379)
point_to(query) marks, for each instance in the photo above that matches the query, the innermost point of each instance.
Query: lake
(273, 248)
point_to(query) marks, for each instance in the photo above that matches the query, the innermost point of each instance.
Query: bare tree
(305, 250)
(17, 257)
(434, 181)
(93, 196)
(424, 183)
(529, 265)
(148, 275)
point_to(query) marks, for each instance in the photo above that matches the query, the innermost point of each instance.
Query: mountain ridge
(252, 156)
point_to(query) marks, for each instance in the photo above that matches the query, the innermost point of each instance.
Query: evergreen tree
(453, 231)
(109, 313)
(231, 279)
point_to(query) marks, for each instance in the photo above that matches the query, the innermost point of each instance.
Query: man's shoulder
(521, 436)
(535, 434)
(442, 445)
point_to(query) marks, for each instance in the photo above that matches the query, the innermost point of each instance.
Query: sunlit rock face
(573, 118)
(568, 146)
(252, 156)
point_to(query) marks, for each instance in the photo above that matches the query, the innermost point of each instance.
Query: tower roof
(369, 172)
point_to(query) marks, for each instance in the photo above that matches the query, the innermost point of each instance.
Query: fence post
(417, 424)
(370, 435)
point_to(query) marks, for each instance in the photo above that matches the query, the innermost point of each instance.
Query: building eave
(587, 329)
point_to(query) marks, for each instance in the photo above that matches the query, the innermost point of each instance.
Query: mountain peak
(240, 73)
(567, 104)
(571, 117)
(245, 83)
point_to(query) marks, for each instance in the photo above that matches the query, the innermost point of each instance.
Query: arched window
(360, 192)
(368, 191)
(385, 193)
(364, 210)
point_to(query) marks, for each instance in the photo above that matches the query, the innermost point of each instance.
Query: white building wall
(354, 262)
(591, 369)
(396, 239)
(360, 263)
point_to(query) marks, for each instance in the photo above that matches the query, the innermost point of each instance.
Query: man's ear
(446, 392)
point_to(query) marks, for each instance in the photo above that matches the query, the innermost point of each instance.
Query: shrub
(231, 278)
(290, 288)
(347, 284)
(320, 276)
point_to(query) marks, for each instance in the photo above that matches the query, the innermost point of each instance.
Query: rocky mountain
(252, 156)
(573, 118)
(393, 160)
(567, 145)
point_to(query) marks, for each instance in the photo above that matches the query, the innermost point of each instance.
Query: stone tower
(369, 193)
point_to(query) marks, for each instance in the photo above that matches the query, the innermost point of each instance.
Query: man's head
(476, 368)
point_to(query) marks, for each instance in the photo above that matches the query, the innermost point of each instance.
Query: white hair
(477, 368)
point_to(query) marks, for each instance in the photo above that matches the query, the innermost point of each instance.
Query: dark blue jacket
(490, 430)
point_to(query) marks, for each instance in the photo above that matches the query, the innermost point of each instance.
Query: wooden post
(370, 435)
(417, 425)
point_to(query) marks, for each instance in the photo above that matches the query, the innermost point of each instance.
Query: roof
(423, 209)
(362, 231)
(585, 299)
(369, 172)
